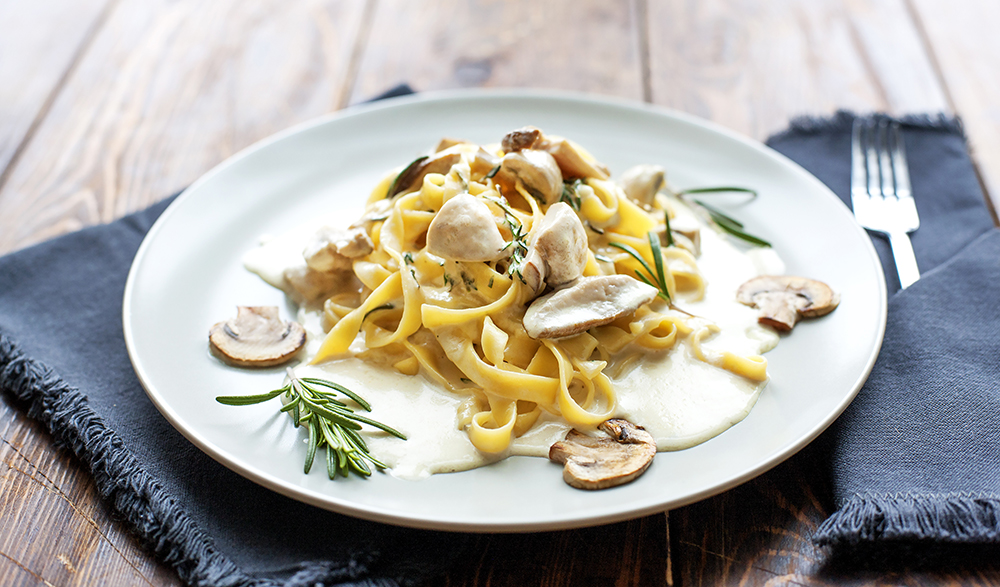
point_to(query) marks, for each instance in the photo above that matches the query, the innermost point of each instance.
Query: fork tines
(880, 189)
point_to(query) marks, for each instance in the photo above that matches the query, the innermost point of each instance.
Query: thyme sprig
(656, 278)
(725, 222)
(518, 244)
(332, 423)
(570, 195)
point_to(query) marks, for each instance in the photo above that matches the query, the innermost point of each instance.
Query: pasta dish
(502, 295)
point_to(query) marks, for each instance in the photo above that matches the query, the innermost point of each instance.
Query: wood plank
(166, 91)
(39, 41)
(752, 66)
(962, 38)
(581, 45)
(53, 528)
(628, 554)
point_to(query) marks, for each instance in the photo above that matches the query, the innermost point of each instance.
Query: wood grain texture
(581, 45)
(54, 530)
(966, 50)
(752, 66)
(166, 91)
(39, 41)
(628, 554)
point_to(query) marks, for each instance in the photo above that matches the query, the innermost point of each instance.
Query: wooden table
(108, 105)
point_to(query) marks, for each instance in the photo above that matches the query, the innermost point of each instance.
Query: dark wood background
(108, 105)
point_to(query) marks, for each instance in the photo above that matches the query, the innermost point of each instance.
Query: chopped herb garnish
(465, 380)
(490, 284)
(603, 258)
(408, 258)
(332, 423)
(376, 309)
(670, 237)
(492, 172)
(470, 282)
(595, 229)
(569, 194)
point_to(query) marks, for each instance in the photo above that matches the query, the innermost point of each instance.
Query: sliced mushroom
(332, 249)
(537, 171)
(413, 176)
(447, 143)
(642, 182)
(306, 285)
(557, 253)
(598, 463)
(483, 162)
(783, 299)
(686, 235)
(256, 337)
(464, 230)
(522, 138)
(591, 301)
(571, 161)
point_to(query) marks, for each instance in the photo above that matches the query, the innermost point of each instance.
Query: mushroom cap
(589, 302)
(522, 138)
(464, 230)
(783, 299)
(256, 337)
(537, 171)
(642, 182)
(561, 241)
(597, 463)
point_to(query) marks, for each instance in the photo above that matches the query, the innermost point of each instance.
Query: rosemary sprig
(332, 423)
(731, 225)
(725, 222)
(670, 236)
(518, 244)
(569, 194)
(656, 278)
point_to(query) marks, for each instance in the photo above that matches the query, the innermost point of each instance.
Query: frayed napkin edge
(953, 518)
(149, 511)
(842, 120)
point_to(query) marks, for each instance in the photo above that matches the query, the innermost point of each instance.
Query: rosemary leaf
(732, 226)
(247, 400)
(376, 309)
(720, 189)
(394, 187)
(313, 443)
(670, 236)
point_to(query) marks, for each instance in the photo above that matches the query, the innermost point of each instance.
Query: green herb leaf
(394, 187)
(721, 189)
(731, 225)
(656, 278)
(670, 236)
(376, 309)
(331, 422)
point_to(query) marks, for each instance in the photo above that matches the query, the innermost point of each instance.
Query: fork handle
(906, 262)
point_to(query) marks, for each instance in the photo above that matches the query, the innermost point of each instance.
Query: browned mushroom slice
(571, 161)
(257, 337)
(522, 138)
(447, 143)
(331, 249)
(413, 176)
(642, 182)
(536, 170)
(783, 299)
(465, 230)
(589, 302)
(598, 463)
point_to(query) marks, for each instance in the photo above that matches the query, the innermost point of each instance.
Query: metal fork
(880, 190)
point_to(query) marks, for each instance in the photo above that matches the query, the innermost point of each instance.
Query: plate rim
(300, 494)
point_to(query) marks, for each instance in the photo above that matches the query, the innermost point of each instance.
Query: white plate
(188, 275)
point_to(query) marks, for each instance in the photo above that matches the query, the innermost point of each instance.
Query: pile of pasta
(460, 323)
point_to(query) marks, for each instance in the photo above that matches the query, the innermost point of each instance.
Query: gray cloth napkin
(915, 459)
(63, 359)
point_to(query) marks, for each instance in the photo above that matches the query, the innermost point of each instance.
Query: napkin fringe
(120, 480)
(153, 515)
(955, 518)
(842, 121)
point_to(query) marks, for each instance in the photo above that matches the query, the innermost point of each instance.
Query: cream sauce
(680, 400)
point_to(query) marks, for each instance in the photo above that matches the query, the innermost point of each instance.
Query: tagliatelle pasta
(426, 299)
